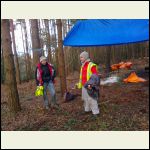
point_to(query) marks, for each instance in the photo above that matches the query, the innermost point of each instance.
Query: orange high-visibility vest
(89, 73)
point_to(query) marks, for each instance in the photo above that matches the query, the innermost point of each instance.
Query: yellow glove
(78, 85)
(39, 91)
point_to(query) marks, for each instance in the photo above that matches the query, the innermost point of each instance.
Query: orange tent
(121, 65)
(126, 65)
(114, 67)
(133, 78)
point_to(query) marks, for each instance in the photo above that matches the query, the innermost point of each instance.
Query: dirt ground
(123, 107)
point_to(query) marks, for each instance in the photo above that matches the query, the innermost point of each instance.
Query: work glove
(39, 91)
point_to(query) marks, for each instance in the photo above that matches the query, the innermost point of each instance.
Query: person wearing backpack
(45, 75)
(88, 70)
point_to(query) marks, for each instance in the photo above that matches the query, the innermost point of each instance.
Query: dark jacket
(94, 82)
(46, 76)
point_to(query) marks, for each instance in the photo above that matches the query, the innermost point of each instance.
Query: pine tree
(10, 78)
(62, 73)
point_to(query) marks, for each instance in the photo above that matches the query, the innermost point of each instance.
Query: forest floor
(123, 107)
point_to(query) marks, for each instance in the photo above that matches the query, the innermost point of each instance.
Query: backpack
(69, 96)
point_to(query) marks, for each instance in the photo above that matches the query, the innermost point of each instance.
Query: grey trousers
(90, 104)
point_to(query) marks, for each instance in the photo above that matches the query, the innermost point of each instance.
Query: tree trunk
(25, 56)
(40, 36)
(35, 41)
(61, 58)
(64, 21)
(11, 85)
(147, 49)
(91, 53)
(69, 25)
(55, 46)
(108, 59)
(27, 52)
(64, 26)
(48, 41)
(31, 58)
(57, 62)
(2, 66)
(15, 53)
(55, 35)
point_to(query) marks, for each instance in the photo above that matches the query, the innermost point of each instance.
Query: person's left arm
(94, 71)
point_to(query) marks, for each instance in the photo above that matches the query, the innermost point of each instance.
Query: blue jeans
(51, 89)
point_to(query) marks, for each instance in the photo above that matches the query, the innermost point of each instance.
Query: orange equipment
(133, 78)
(121, 65)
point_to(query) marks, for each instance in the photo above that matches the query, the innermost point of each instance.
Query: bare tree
(108, 59)
(27, 50)
(35, 41)
(62, 73)
(15, 52)
(48, 41)
(40, 21)
(11, 85)
(25, 56)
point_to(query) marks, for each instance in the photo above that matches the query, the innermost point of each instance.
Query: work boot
(55, 106)
(84, 112)
(94, 116)
(54, 103)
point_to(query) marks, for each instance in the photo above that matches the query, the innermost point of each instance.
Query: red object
(84, 72)
(41, 71)
(128, 65)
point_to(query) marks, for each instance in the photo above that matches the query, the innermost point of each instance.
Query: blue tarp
(100, 32)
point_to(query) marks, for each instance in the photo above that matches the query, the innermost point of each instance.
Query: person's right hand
(76, 86)
(40, 84)
(89, 87)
